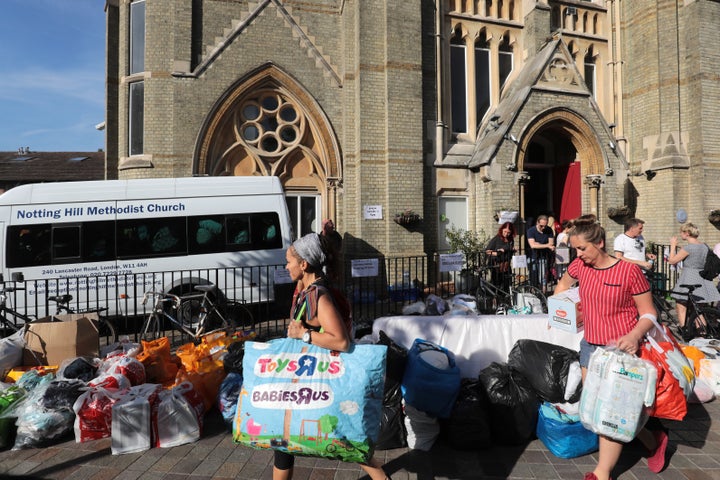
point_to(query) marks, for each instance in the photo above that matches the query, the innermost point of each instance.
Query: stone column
(594, 182)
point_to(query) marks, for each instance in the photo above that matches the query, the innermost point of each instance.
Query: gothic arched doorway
(557, 151)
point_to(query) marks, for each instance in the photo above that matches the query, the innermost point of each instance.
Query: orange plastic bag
(675, 374)
(694, 354)
(206, 384)
(159, 364)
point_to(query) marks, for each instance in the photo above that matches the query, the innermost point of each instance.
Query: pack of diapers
(618, 391)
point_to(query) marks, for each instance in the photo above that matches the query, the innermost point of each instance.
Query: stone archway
(557, 153)
(267, 123)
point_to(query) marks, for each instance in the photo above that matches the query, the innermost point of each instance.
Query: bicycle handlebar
(162, 297)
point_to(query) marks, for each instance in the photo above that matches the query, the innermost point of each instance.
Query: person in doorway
(617, 308)
(541, 240)
(630, 246)
(563, 253)
(499, 251)
(693, 257)
(315, 319)
(335, 260)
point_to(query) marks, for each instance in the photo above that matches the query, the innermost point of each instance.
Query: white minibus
(111, 235)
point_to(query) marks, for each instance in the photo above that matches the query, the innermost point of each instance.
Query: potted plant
(714, 216)
(470, 243)
(407, 217)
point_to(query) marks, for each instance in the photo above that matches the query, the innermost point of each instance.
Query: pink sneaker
(656, 461)
(591, 476)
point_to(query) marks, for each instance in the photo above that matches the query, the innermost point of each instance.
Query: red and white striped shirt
(606, 295)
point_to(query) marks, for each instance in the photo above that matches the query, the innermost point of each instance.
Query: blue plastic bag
(427, 387)
(307, 400)
(564, 435)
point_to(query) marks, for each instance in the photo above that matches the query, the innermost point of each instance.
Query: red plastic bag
(675, 373)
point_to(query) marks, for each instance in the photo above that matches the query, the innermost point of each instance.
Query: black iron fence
(375, 286)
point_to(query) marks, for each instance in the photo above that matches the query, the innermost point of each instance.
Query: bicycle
(700, 320)
(8, 327)
(197, 314)
(106, 329)
(523, 298)
(659, 297)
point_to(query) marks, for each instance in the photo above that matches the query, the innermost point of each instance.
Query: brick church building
(453, 109)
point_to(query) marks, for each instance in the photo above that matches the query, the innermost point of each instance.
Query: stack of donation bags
(139, 395)
(426, 398)
(538, 392)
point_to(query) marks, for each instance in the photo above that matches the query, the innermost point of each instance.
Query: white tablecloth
(476, 341)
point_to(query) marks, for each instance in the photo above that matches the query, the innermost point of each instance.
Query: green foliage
(470, 243)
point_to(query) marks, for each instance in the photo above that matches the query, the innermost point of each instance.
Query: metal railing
(396, 282)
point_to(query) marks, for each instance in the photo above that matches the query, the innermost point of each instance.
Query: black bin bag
(468, 427)
(546, 366)
(513, 402)
(392, 425)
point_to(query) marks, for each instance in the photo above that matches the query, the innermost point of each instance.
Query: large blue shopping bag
(306, 400)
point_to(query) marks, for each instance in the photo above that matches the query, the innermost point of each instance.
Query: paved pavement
(694, 453)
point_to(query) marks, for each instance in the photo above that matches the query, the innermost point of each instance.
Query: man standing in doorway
(542, 245)
(630, 246)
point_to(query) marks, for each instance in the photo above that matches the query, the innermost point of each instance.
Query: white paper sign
(367, 267)
(506, 216)
(451, 262)
(372, 212)
(562, 255)
(519, 261)
(281, 276)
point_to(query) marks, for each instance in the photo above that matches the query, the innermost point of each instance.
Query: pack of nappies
(618, 391)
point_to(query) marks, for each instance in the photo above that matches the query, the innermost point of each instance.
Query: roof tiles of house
(33, 167)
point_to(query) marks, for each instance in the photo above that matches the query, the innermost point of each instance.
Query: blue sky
(52, 75)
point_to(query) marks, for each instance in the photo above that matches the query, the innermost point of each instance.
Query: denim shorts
(587, 349)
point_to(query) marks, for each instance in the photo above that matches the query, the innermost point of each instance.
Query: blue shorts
(587, 349)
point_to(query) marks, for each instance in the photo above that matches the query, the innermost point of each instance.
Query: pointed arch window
(458, 82)
(590, 71)
(482, 75)
(505, 62)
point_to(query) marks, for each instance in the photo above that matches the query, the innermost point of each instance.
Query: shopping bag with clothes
(675, 373)
(563, 434)
(306, 400)
(432, 379)
(619, 389)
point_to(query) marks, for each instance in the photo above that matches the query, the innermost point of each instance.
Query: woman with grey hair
(693, 257)
(314, 318)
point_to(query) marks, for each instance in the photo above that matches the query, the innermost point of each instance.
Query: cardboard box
(565, 311)
(50, 340)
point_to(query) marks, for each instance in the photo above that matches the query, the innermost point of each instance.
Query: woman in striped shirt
(617, 308)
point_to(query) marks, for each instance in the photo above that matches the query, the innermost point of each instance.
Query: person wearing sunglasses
(630, 246)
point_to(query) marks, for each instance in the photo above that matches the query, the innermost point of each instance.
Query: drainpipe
(439, 124)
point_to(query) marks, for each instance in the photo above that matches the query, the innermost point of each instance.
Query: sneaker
(656, 461)
(591, 476)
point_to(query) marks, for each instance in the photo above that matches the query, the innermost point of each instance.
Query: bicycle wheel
(106, 330)
(151, 328)
(663, 309)
(532, 296)
(238, 315)
(705, 323)
(7, 327)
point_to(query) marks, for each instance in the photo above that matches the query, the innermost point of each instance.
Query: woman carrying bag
(316, 320)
